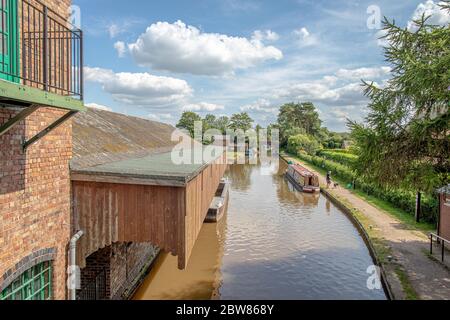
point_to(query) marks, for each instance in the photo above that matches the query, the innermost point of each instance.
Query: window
(34, 284)
(9, 41)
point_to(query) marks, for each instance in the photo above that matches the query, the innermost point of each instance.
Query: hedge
(402, 199)
(344, 158)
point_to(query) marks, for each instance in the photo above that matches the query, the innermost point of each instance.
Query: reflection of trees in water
(241, 176)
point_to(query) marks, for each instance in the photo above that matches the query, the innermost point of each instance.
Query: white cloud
(160, 117)
(268, 35)
(429, 8)
(140, 89)
(203, 106)
(261, 106)
(98, 106)
(363, 73)
(121, 48)
(181, 48)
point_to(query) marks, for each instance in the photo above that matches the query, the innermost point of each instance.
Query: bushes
(303, 142)
(405, 200)
(340, 156)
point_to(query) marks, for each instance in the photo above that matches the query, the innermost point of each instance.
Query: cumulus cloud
(431, 9)
(203, 106)
(181, 48)
(121, 48)
(139, 89)
(98, 106)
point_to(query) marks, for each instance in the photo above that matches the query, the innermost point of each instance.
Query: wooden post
(418, 207)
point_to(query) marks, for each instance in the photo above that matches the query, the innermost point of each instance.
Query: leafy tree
(297, 118)
(406, 139)
(187, 122)
(222, 123)
(241, 121)
(209, 122)
(303, 142)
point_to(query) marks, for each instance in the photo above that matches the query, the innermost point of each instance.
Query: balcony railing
(40, 48)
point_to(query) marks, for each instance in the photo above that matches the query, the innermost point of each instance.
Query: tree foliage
(187, 122)
(298, 118)
(241, 121)
(406, 138)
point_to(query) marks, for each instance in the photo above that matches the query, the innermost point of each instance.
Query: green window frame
(33, 284)
(9, 41)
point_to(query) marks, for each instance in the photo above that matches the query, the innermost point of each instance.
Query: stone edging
(25, 264)
(366, 237)
(348, 212)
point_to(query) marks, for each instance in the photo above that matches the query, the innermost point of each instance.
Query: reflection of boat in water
(303, 179)
(219, 204)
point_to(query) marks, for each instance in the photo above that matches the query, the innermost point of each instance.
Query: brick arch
(25, 264)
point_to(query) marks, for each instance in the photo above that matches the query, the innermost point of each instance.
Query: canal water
(274, 243)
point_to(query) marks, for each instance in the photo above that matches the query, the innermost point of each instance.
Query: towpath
(410, 270)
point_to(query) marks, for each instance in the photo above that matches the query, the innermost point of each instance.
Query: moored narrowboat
(219, 204)
(303, 179)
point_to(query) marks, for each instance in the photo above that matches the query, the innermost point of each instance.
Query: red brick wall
(123, 263)
(35, 194)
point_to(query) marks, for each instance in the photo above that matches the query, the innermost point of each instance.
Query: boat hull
(307, 189)
(219, 206)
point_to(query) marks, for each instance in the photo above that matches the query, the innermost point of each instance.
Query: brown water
(275, 243)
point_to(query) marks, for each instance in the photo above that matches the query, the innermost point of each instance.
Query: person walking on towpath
(328, 179)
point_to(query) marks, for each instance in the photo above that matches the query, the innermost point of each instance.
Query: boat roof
(303, 171)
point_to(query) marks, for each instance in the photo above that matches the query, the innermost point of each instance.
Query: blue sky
(156, 59)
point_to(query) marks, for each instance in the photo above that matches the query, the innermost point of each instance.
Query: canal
(274, 243)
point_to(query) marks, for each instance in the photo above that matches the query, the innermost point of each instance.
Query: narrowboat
(303, 179)
(219, 205)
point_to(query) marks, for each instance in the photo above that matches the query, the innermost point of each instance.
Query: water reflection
(276, 243)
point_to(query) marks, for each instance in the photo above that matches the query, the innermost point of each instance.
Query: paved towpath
(409, 250)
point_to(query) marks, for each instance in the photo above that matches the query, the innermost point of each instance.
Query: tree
(298, 118)
(303, 142)
(241, 121)
(406, 139)
(209, 122)
(222, 123)
(187, 122)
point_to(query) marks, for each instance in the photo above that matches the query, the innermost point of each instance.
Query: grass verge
(407, 219)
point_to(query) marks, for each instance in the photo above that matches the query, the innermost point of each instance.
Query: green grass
(407, 219)
(406, 284)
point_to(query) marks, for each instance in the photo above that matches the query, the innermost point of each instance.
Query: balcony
(41, 63)
(41, 56)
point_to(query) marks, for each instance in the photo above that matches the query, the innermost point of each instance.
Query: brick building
(39, 92)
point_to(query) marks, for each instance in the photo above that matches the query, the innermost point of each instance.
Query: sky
(156, 59)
